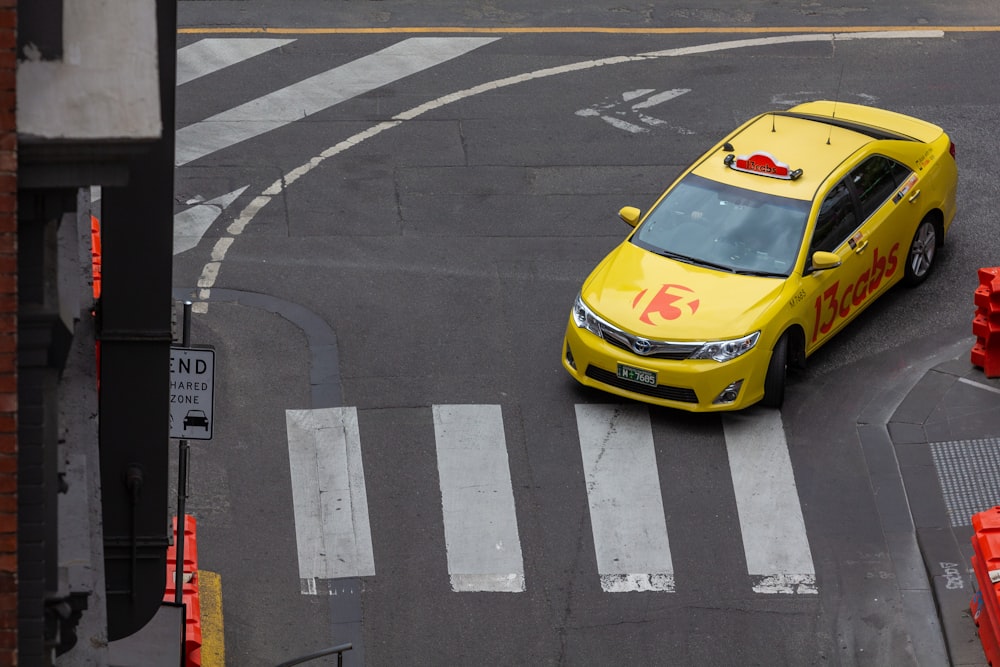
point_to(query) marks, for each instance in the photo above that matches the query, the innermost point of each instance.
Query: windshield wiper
(698, 262)
(763, 274)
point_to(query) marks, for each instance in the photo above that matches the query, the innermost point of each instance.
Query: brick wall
(8, 334)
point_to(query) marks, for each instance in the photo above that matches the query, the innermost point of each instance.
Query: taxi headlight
(726, 350)
(585, 318)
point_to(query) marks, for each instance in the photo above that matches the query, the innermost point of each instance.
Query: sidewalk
(946, 437)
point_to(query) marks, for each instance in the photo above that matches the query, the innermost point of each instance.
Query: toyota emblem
(641, 346)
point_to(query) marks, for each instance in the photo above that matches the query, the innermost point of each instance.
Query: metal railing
(339, 650)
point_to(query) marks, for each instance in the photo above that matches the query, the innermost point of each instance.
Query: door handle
(860, 248)
(914, 196)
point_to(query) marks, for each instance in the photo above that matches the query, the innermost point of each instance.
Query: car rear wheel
(920, 259)
(777, 370)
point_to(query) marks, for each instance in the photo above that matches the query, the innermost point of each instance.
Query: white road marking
(629, 96)
(659, 98)
(328, 495)
(624, 125)
(626, 504)
(317, 93)
(258, 203)
(774, 533)
(979, 385)
(480, 521)
(211, 55)
(190, 225)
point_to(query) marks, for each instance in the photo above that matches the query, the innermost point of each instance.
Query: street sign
(192, 392)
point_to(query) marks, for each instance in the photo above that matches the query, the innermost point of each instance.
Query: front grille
(659, 391)
(658, 349)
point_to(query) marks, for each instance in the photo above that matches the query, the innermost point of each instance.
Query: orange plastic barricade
(985, 606)
(95, 254)
(189, 592)
(986, 323)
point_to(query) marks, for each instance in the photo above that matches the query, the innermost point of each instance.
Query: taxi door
(857, 222)
(882, 186)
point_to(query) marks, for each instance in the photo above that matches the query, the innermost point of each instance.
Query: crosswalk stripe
(332, 530)
(482, 542)
(626, 504)
(774, 532)
(211, 55)
(480, 520)
(317, 93)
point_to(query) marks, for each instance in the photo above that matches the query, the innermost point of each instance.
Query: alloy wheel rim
(923, 250)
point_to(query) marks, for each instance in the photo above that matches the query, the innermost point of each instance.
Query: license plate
(637, 375)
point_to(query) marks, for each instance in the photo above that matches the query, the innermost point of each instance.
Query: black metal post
(183, 456)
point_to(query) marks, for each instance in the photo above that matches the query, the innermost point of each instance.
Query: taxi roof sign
(762, 163)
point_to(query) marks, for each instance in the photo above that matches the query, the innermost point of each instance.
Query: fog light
(729, 394)
(569, 357)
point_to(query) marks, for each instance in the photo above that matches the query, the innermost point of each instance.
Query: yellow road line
(213, 644)
(613, 31)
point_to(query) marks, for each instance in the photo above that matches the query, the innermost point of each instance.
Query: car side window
(875, 180)
(836, 220)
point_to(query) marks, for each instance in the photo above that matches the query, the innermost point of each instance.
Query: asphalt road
(389, 269)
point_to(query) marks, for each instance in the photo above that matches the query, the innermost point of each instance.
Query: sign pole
(183, 457)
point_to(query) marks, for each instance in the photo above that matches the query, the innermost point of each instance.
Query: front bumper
(687, 384)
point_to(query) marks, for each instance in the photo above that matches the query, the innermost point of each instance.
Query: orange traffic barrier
(95, 267)
(986, 323)
(95, 254)
(189, 590)
(989, 642)
(986, 565)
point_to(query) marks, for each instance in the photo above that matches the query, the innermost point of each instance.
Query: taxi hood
(665, 299)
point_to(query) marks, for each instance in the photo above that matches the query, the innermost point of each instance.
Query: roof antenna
(772, 122)
(835, 100)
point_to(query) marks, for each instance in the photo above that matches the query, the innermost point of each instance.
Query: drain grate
(969, 472)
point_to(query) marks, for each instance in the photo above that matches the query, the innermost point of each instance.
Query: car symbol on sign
(195, 418)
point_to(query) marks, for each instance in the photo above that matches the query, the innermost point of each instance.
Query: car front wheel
(920, 259)
(777, 369)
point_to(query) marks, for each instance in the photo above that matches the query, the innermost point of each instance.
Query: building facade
(86, 132)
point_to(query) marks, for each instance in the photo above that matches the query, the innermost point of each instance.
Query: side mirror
(630, 214)
(822, 260)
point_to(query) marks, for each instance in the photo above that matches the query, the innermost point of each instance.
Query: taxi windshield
(712, 224)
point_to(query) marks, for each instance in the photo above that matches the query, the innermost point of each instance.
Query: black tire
(777, 371)
(920, 257)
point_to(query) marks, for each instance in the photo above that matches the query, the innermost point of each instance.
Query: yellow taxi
(763, 249)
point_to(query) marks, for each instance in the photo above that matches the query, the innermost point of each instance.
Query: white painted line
(318, 92)
(211, 55)
(659, 98)
(630, 95)
(791, 39)
(774, 533)
(979, 385)
(626, 504)
(209, 273)
(332, 530)
(480, 521)
(620, 124)
(191, 224)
